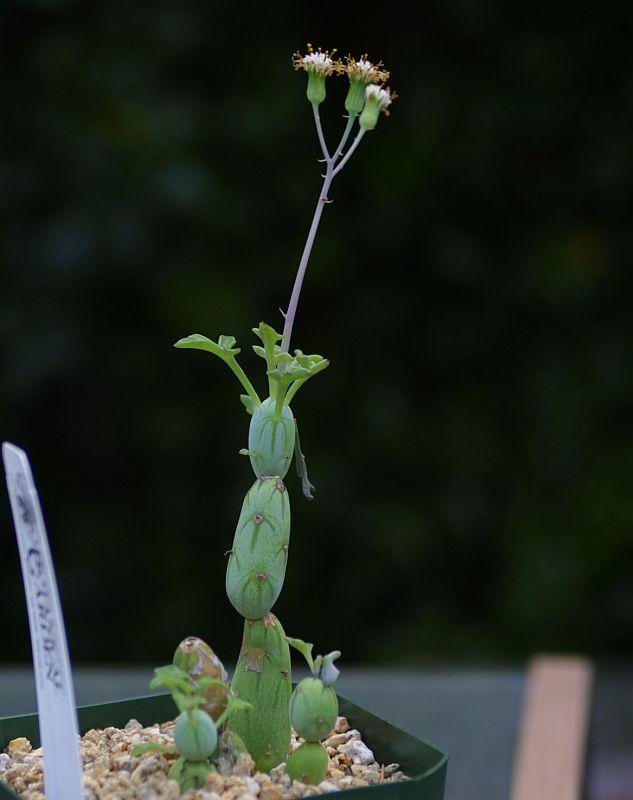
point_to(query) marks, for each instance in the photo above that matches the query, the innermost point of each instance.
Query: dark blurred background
(472, 441)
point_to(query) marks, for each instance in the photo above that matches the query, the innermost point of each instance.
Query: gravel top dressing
(112, 773)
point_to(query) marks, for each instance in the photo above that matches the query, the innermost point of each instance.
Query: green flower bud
(376, 100)
(313, 709)
(308, 763)
(355, 99)
(318, 65)
(195, 735)
(316, 87)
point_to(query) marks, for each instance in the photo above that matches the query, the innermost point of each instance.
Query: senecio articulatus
(259, 706)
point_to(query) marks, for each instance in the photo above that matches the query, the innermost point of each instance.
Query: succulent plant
(257, 560)
(195, 731)
(313, 713)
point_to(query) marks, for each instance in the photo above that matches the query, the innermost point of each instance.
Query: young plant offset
(195, 731)
(313, 712)
(258, 558)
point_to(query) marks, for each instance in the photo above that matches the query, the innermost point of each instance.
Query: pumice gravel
(112, 773)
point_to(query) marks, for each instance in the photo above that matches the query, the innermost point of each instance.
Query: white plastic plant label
(53, 679)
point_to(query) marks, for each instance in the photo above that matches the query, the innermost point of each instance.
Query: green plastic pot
(425, 763)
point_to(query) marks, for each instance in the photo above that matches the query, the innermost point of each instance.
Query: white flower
(381, 96)
(364, 70)
(377, 99)
(317, 61)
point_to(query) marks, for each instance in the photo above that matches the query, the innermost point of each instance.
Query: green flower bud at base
(318, 65)
(313, 709)
(195, 735)
(308, 763)
(316, 88)
(355, 99)
(376, 100)
(271, 439)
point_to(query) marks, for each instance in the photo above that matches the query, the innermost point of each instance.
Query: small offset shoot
(197, 697)
(313, 712)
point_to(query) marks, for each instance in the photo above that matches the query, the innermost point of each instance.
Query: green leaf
(302, 468)
(190, 774)
(315, 364)
(186, 702)
(233, 704)
(170, 676)
(223, 348)
(249, 404)
(304, 648)
(226, 343)
(156, 747)
(267, 334)
(269, 337)
(328, 672)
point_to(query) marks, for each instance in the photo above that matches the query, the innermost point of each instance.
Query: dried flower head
(377, 99)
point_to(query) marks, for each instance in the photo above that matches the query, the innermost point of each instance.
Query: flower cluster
(362, 73)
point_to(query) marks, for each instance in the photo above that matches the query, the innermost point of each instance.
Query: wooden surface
(550, 757)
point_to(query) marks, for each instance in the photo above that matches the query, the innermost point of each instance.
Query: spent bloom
(377, 99)
(361, 73)
(318, 64)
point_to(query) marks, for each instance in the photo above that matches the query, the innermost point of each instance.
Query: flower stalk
(364, 77)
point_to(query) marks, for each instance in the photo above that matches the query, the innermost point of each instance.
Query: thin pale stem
(348, 129)
(317, 122)
(331, 171)
(350, 152)
(305, 257)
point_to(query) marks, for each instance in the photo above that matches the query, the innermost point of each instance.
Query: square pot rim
(440, 764)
